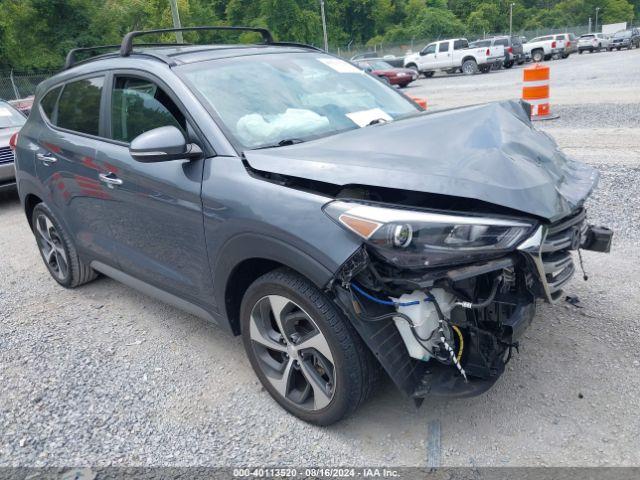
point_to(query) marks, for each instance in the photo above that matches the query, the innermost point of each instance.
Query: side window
(139, 105)
(49, 103)
(502, 41)
(460, 44)
(443, 47)
(429, 49)
(79, 106)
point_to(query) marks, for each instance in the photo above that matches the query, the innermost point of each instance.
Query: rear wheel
(508, 64)
(469, 67)
(537, 55)
(428, 74)
(58, 251)
(305, 353)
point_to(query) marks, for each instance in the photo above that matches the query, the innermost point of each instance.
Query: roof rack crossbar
(127, 42)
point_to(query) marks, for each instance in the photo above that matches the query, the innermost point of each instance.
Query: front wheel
(469, 67)
(428, 74)
(306, 354)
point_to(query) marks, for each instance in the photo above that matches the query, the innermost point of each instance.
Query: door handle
(46, 159)
(110, 179)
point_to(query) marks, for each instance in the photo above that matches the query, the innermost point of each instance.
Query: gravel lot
(102, 375)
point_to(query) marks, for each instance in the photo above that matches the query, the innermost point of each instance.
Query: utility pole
(176, 20)
(596, 28)
(324, 27)
(511, 17)
(589, 24)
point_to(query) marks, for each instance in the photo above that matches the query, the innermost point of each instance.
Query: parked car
(311, 209)
(11, 120)
(452, 55)
(570, 43)
(593, 42)
(544, 48)
(625, 39)
(393, 76)
(392, 60)
(23, 104)
(513, 50)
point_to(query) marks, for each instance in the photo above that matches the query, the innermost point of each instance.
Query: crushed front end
(442, 299)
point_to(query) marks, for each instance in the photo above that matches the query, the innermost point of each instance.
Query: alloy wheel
(51, 247)
(292, 352)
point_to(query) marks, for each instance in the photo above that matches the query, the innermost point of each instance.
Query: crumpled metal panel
(489, 152)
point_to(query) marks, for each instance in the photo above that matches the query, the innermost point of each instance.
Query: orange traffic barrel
(420, 101)
(535, 91)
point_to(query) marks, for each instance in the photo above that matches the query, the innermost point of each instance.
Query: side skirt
(154, 292)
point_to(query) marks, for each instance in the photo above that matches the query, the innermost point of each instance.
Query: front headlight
(414, 239)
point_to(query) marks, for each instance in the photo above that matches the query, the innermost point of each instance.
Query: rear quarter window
(79, 106)
(49, 103)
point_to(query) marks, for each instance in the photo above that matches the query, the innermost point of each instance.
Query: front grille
(6, 155)
(557, 264)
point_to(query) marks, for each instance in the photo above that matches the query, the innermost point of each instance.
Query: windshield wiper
(282, 143)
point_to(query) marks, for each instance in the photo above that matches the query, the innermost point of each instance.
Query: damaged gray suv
(291, 198)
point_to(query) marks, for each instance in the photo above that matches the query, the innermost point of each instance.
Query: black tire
(470, 67)
(508, 64)
(485, 68)
(580, 52)
(63, 250)
(428, 74)
(537, 55)
(355, 370)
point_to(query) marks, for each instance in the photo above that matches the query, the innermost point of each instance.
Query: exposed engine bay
(450, 331)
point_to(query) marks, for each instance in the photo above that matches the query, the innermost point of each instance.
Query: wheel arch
(30, 202)
(468, 57)
(248, 256)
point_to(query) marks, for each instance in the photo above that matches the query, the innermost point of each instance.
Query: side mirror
(163, 144)
(423, 53)
(368, 69)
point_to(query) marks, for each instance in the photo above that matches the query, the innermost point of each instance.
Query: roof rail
(72, 61)
(127, 42)
(71, 56)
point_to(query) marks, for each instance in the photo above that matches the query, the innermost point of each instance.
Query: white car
(453, 55)
(593, 42)
(544, 48)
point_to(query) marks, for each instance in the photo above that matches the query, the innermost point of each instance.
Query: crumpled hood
(487, 152)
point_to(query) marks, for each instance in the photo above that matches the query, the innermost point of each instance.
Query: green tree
(615, 11)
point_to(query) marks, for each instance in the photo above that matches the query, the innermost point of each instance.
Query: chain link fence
(400, 49)
(14, 86)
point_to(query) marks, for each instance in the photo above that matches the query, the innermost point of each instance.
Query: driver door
(157, 214)
(428, 57)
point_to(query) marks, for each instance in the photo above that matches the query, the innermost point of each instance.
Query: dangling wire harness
(441, 321)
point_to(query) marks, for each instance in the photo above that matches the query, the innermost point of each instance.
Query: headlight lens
(413, 239)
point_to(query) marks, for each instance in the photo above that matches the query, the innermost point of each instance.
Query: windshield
(263, 100)
(622, 34)
(10, 117)
(587, 36)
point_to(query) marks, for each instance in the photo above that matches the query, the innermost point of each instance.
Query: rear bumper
(7, 173)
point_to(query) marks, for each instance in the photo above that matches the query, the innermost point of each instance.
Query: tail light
(509, 49)
(488, 52)
(553, 44)
(13, 141)
(568, 43)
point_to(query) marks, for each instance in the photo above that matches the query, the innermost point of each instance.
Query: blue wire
(382, 302)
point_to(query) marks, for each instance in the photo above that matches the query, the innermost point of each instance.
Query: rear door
(158, 229)
(66, 163)
(443, 55)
